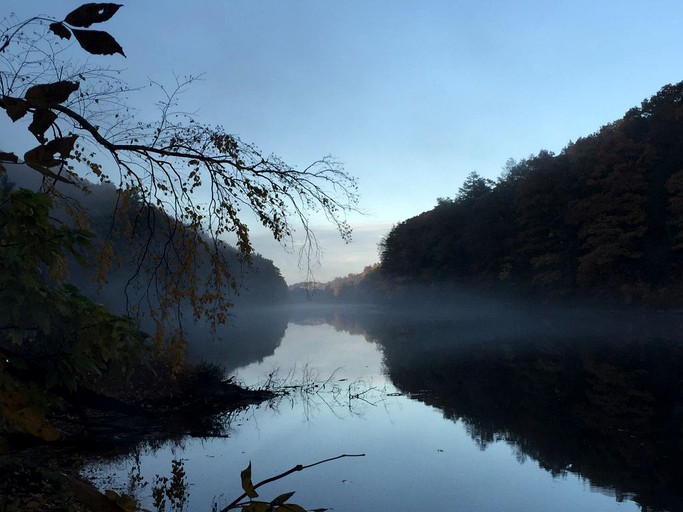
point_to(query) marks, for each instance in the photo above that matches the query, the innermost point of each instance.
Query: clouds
(336, 258)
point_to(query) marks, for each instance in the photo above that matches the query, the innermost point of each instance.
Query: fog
(126, 290)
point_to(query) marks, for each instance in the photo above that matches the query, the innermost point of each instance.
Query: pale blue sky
(410, 96)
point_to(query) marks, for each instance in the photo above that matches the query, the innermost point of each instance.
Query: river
(510, 412)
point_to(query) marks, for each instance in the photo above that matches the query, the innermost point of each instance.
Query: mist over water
(514, 409)
(473, 400)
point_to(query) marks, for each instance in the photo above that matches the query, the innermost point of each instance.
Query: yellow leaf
(127, 503)
(112, 495)
(246, 482)
(16, 108)
(62, 145)
(13, 400)
(32, 421)
(41, 156)
(43, 118)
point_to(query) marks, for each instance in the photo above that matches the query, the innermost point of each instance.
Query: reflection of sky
(414, 458)
(323, 351)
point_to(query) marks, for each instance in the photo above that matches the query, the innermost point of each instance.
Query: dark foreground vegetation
(77, 379)
(156, 402)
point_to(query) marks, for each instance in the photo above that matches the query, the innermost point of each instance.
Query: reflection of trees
(348, 318)
(306, 390)
(252, 336)
(603, 400)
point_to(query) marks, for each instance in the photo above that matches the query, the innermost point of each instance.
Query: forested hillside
(363, 287)
(603, 218)
(125, 228)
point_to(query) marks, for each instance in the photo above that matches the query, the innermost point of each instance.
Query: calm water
(506, 414)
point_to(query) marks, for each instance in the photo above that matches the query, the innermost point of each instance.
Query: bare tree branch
(201, 177)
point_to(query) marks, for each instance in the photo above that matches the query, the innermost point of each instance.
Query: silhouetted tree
(198, 177)
(602, 218)
(473, 187)
(181, 188)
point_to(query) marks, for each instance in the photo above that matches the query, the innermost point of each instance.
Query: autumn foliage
(603, 218)
(182, 190)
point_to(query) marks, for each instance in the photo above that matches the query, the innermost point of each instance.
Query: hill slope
(604, 218)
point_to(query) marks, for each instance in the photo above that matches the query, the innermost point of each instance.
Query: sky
(410, 96)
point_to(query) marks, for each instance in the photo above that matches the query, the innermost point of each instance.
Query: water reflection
(515, 411)
(599, 396)
(325, 351)
(249, 336)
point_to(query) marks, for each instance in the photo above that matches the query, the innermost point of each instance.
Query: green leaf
(98, 42)
(52, 380)
(60, 30)
(42, 319)
(87, 14)
(50, 95)
(247, 485)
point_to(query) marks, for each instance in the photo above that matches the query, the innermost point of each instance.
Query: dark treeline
(362, 287)
(602, 219)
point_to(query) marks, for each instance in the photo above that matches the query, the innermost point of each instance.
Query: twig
(296, 468)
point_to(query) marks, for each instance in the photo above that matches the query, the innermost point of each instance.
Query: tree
(611, 218)
(473, 187)
(181, 187)
(544, 249)
(189, 182)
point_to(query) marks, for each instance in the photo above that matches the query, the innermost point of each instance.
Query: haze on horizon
(411, 98)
